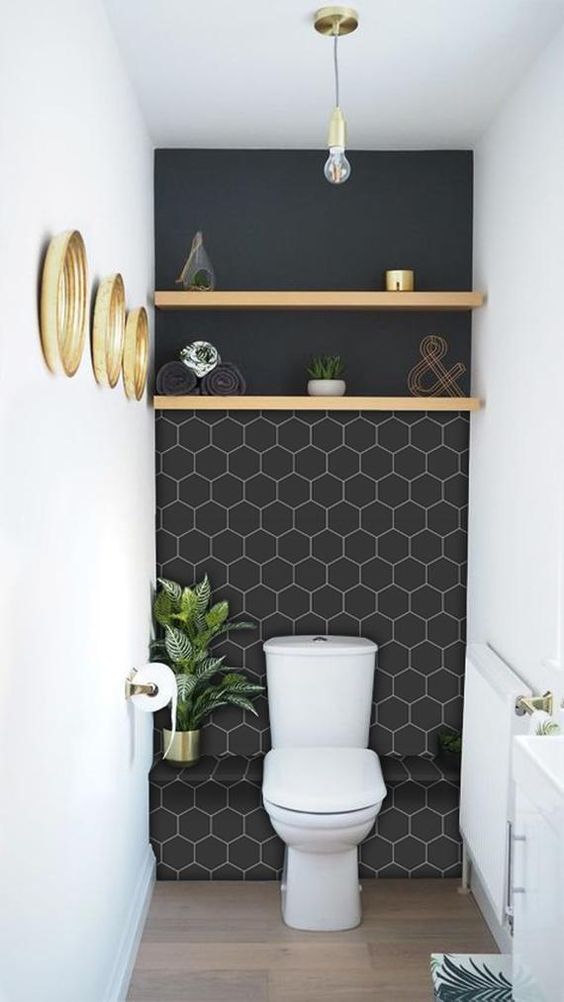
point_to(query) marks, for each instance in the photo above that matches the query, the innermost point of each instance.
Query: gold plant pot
(185, 747)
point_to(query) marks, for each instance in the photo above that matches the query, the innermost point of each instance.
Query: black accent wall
(271, 221)
(313, 522)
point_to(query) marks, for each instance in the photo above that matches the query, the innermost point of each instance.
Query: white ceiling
(416, 74)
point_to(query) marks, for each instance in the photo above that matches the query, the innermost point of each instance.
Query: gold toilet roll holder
(133, 688)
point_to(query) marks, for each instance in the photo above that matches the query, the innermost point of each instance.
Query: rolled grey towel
(225, 380)
(174, 379)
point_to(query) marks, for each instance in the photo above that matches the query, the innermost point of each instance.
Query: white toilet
(322, 787)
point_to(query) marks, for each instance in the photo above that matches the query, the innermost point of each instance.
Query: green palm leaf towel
(471, 977)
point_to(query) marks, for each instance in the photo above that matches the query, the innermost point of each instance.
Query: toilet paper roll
(165, 680)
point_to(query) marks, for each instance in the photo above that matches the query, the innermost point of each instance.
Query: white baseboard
(133, 930)
(500, 933)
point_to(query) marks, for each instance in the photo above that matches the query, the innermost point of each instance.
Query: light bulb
(337, 168)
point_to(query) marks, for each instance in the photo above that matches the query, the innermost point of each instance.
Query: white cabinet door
(538, 892)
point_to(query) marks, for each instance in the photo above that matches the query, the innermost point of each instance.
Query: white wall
(516, 600)
(76, 516)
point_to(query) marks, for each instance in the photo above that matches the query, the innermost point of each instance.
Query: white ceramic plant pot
(326, 387)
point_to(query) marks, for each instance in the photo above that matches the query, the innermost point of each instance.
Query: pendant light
(334, 22)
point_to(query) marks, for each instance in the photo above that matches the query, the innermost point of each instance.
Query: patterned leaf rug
(471, 977)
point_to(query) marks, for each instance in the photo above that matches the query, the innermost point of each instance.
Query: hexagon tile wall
(314, 522)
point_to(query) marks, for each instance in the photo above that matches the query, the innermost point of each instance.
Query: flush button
(320, 640)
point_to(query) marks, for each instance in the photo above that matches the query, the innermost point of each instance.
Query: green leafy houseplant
(450, 745)
(189, 625)
(325, 367)
(547, 728)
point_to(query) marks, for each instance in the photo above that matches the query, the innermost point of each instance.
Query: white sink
(538, 770)
(537, 873)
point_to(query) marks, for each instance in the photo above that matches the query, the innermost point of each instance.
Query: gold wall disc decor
(108, 330)
(136, 353)
(64, 302)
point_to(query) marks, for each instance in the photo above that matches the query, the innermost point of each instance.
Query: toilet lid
(319, 646)
(323, 780)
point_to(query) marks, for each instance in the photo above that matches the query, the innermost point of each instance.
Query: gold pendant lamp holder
(335, 20)
(337, 129)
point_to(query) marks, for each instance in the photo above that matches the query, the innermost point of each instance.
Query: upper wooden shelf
(282, 300)
(268, 403)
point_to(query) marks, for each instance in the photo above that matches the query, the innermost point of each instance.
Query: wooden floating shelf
(268, 403)
(319, 300)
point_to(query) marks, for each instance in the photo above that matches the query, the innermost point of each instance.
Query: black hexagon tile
(315, 522)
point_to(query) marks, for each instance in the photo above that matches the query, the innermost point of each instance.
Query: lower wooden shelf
(305, 403)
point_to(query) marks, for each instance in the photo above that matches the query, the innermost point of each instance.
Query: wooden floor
(225, 942)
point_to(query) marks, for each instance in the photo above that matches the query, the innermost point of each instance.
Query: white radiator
(486, 794)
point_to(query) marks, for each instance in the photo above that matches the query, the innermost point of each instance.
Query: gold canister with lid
(400, 280)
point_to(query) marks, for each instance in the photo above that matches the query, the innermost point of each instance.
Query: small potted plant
(189, 625)
(325, 372)
(450, 748)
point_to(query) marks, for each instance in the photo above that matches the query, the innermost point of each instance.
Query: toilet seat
(320, 822)
(334, 782)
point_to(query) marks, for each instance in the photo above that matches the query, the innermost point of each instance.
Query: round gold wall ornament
(108, 330)
(136, 353)
(64, 302)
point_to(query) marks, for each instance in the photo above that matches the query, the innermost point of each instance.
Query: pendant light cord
(336, 66)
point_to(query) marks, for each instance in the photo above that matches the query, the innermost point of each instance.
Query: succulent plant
(326, 367)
